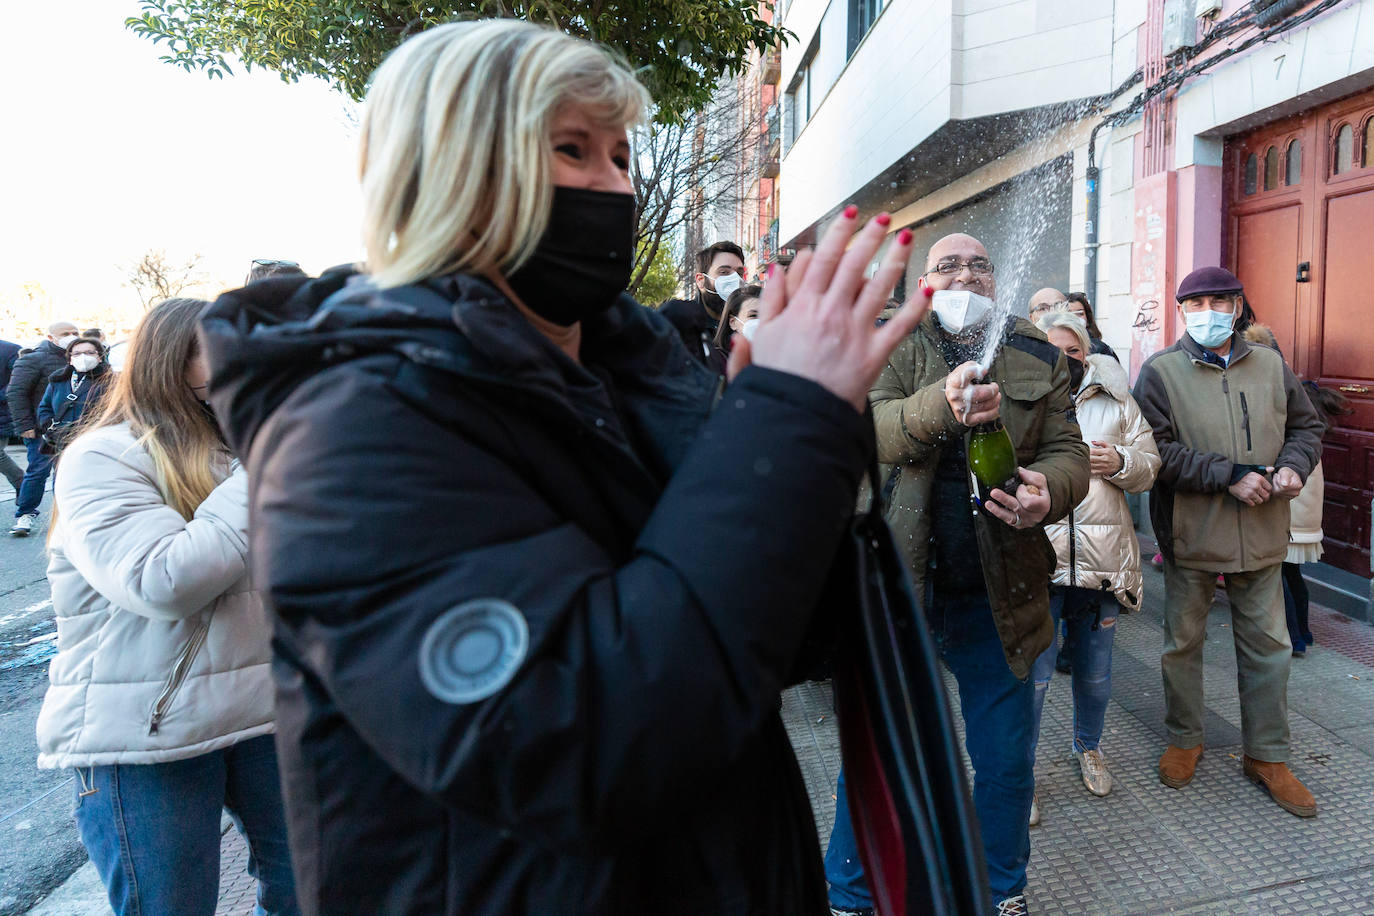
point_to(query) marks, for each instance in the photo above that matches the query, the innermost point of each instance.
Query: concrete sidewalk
(1220, 846)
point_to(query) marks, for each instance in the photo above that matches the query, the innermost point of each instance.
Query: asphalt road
(39, 848)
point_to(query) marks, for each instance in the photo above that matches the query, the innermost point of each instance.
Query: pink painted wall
(1198, 219)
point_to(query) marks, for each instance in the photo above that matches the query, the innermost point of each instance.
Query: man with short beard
(982, 571)
(720, 271)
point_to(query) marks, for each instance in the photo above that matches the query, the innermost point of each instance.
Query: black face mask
(584, 259)
(1076, 370)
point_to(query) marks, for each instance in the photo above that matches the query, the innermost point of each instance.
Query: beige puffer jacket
(1096, 545)
(1305, 520)
(162, 645)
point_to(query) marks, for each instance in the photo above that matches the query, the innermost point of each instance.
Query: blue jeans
(152, 830)
(1296, 603)
(1090, 654)
(35, 479)
(999, 712)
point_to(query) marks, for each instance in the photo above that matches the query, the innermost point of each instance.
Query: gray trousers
(12, 471)
(1263, 656)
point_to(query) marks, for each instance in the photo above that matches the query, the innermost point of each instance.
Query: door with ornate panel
(1300, 227)
(1343, 321)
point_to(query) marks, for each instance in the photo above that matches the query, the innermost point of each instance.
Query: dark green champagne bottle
(991, 461)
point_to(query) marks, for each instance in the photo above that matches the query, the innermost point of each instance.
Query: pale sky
(106, 152)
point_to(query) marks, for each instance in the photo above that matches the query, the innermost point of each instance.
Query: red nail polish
(882, 219)
(770, 270)
(904, 237)
(929, 291)
(851, 211)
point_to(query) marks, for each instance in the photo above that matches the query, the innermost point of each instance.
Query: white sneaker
(1035, 810)
(1095, 775)
(23, 525)
(1013, 906)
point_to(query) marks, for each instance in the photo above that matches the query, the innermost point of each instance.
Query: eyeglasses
(949, 267)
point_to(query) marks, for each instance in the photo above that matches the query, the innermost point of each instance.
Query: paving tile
(238, 890)
(1218, 846)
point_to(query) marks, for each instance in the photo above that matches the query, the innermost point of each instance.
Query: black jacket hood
(265, 339)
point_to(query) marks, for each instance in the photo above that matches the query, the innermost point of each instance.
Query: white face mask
(85, 362)
(959, 310)
(728, 284)
(66, 341)
(750, 328)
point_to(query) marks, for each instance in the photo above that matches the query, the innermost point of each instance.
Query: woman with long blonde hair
(160, 695)
(530, 641)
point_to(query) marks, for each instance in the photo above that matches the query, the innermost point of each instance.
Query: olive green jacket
(913, 421)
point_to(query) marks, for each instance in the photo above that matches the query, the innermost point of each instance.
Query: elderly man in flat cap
(1238, 437)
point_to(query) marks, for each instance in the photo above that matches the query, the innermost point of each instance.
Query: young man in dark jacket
(9, 352)
(720, 271)
(1238, 437)
(984, 577)
(28, 381)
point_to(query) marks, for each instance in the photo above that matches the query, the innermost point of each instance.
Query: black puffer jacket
(664, 563)
(9, 354)
(28, 382)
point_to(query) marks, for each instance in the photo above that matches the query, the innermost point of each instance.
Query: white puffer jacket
(162, 645)
(1096, 544)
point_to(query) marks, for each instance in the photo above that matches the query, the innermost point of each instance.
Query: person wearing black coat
(28, 382)
(72, 391)
(530, 638)
(720, 271)
(9, 352)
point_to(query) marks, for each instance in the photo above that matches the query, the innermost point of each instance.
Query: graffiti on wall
(1151, 266)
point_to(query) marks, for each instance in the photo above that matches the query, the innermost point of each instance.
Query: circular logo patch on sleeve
(473, 650)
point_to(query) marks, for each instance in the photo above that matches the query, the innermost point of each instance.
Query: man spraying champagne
(982, 567)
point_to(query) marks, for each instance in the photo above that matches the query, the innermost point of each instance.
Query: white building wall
(1273, 78)
(923, 63)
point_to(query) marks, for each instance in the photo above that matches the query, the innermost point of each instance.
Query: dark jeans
(999, 714)
(1295, 607)
(152, 830)
(35, 479)
(1090, 654)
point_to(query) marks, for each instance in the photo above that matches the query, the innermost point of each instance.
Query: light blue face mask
(1210, 329)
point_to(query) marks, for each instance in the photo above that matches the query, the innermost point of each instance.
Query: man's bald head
(1044, 300)
(61, 329)
(956, 243)
(961, 249)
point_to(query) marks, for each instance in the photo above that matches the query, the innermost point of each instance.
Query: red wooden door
(1267, 254)
(1343, 323)
(1301, 208)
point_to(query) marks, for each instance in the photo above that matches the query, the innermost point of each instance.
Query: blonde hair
(1061, 317)
(456, 165)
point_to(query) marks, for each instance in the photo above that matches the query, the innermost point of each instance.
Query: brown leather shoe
(1177, 765)
(1284, 788)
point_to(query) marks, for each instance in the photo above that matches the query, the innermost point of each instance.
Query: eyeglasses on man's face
(951, 266)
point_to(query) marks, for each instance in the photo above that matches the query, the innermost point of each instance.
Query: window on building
(862, 15)
(1368, 159)
(1293, 164)
(1344, 159)
(1271, 169)
(800, 100)
(1251, 174)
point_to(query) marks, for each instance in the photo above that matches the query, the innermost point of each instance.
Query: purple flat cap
(1209, 281)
